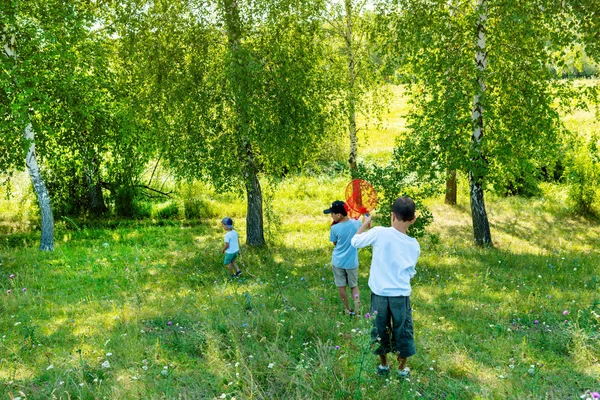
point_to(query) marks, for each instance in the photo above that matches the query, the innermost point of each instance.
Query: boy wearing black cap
(344, 259)
(231, 249)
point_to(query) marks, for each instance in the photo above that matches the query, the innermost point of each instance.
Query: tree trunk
(451, 188)
(47, 239)
(95, 196)
(254, 218)
(351, 99)
(481, 227)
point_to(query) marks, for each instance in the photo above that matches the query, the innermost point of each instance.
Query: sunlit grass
(115, 291)
(156, 297)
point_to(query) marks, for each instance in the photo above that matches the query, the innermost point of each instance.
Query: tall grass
(156, 303)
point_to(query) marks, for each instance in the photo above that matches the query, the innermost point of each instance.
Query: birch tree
(483, 98)
(10, 46)
(360, 76)
(481, 228)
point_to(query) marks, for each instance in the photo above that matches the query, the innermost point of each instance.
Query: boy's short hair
(404, 208)
(337, 207)
(228, 222)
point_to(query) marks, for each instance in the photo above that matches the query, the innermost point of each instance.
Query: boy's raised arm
(362, 239)
(365, 225)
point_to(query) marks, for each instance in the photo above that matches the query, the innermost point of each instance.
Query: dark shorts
(230, 257)
(392, 327)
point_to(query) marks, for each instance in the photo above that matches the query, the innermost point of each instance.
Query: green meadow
(144, 309)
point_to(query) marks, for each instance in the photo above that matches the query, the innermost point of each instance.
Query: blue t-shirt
(344, 255)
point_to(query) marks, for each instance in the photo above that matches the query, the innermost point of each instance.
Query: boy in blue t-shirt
(344, 259)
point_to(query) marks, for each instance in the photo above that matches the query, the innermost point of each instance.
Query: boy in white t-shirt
(395, 256)
(231, 249)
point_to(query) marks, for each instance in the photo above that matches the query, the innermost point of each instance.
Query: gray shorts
(345, 277)
(393, 327)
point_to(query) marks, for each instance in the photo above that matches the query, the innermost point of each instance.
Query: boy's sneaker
(238, 273)
(383, 371)
(351, 313)
(404, 373)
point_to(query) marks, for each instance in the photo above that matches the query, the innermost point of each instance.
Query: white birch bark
(351, 88)
(481, 227)
(47, 237)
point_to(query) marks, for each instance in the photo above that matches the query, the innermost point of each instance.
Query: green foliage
(392, 181)
(495, 118)
(124, 204)
(199, 208)
(18, 204)
(583, 176)
(168, 210)
(67, 190)
(526, 183)
(231, 107)
(522, 125)
(201, 201)
(67, 80)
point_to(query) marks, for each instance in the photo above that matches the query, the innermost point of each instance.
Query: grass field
(144, 309)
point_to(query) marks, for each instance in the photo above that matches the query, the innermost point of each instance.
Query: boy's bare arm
(365, 224)
(225, 247)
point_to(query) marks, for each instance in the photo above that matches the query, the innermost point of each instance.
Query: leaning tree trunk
(481, 227)
(450, 187)
(47, 239)
(351, 98)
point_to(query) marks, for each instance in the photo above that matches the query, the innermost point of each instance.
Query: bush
(124, 205)
(141, 210)
(199, 208)
(168, 210)
(393, 181)
(524, 184)
(201, 201)
(583, 177)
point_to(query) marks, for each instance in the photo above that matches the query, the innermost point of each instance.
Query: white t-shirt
(231, 237)
(395, 256)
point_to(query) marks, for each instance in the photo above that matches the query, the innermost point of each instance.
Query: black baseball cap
(338, 207)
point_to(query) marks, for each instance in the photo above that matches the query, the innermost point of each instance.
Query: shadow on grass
(500, 309)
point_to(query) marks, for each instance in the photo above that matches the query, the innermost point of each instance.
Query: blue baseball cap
(228, 222)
